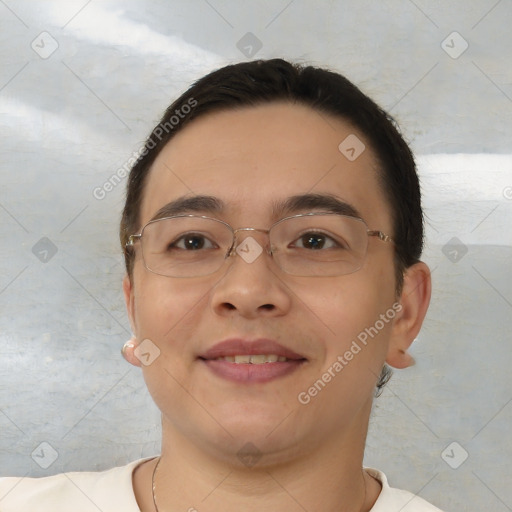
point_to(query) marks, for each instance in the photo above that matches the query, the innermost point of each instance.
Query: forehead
(254, 157)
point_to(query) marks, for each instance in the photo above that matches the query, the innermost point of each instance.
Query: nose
(253, 285)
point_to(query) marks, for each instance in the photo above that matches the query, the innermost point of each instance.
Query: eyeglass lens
(308, 245)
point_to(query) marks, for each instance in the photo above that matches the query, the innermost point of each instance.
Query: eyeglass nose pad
(231, 250)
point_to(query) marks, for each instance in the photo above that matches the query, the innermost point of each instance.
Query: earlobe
(414, 299)
(128, 351)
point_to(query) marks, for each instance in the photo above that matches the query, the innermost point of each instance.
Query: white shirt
(112, 491)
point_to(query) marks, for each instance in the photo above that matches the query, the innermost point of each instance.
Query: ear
(414, 299)
(129, 347)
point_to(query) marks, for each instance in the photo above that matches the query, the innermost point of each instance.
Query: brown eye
(315, 242)
(192, 242)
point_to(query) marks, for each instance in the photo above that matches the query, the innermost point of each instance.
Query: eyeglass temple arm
(380, 235)
(132, 239)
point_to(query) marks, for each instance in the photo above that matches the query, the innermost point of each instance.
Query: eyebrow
(302, 203)
(190, 204)
(313, 202)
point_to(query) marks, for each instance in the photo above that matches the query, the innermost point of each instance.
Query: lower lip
(247, 372)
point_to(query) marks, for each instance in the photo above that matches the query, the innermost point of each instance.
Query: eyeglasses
(310, 244)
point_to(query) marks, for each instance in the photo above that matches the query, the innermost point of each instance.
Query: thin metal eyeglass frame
(132, 239)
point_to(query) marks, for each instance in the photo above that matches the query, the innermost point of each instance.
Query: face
(250, 160)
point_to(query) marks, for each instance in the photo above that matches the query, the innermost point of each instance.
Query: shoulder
(396, 500)
(110, 490)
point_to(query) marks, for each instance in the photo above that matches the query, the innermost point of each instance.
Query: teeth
(258, 359)
(254, 359)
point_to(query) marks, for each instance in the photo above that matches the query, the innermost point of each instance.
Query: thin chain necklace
(153, 487)
(153, 484)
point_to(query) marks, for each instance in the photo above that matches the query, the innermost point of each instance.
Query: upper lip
(239, 346)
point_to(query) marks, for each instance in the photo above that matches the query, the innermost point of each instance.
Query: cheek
(167, 313)
(359, 317)
(166, 309)
(356, 341)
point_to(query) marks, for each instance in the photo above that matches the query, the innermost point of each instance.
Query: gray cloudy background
(81, 84)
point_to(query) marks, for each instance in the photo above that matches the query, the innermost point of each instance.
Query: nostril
(268, 306)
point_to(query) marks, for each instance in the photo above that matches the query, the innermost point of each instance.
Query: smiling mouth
(249, 362)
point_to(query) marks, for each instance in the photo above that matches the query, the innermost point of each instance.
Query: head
(215, 140)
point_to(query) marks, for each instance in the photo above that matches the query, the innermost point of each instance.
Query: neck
(328, 477)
